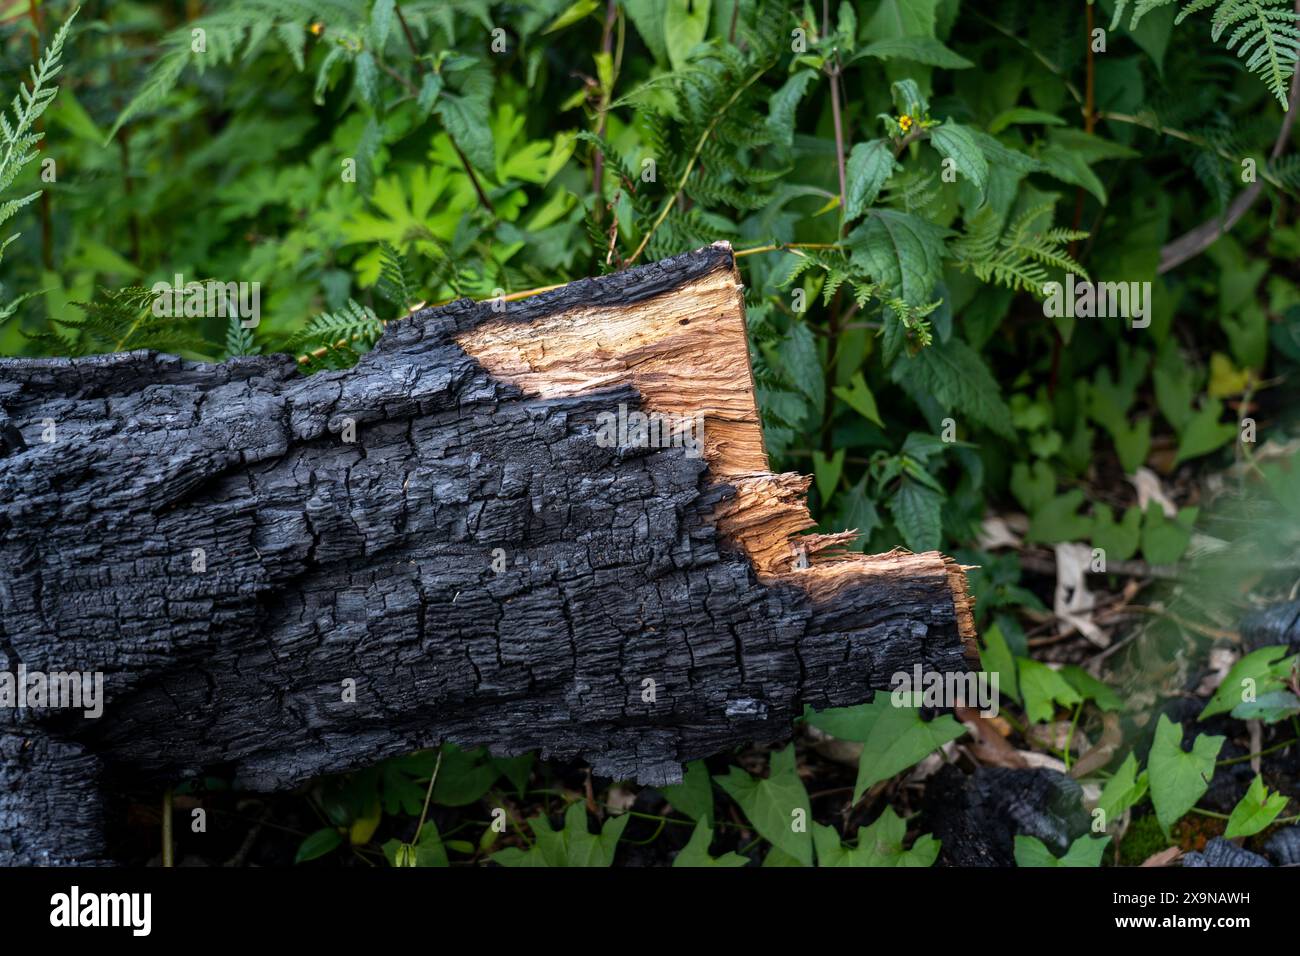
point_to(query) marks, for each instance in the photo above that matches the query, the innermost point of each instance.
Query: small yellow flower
(317, 28)
(905, 122)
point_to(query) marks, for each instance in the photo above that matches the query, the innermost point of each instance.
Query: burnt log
(291, 575)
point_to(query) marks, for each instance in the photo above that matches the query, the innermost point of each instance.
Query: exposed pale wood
(476, 562)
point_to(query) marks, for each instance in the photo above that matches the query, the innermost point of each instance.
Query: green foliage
(1255, 811)
(360, 159)
(894, 736)
(19, 139)
(1177, 778)
(1085, 851)
(879, 844)
(572, 845)
(1264, 33)
(777, 805)
(1262, 675)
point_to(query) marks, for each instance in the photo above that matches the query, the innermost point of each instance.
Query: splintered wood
(686, 352)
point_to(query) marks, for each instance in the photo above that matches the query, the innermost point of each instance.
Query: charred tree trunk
(475, 566)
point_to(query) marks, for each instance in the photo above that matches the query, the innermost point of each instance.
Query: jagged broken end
(683, 344)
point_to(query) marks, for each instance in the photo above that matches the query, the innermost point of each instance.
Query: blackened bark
(326, 562)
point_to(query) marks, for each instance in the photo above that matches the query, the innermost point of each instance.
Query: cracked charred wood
(1275, 624)
(1220, 852)
(462, 538)
(976, 818)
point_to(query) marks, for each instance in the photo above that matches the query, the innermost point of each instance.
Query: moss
(1144, 837)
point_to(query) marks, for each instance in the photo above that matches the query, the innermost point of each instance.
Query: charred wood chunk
(549, 527)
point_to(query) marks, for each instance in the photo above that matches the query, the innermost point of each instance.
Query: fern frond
(1265, 34)
(352, 323)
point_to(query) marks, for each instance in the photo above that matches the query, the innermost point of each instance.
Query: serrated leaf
(869, 167)
(367, 78)
(953, 374)
(918, 49)
(901, 251)
(917, 512)
(956, 143)
(784, 103)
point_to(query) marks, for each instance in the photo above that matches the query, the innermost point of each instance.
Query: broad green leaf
(869, 167)
(1270, 708)
(1040, 686)
(1122, 791)
(1260, 672)
(918, 49)
(909, 99)
(953, 375)
(576, 11)
(381, 23)
(858, 511)
(318, 844)
(1090, 688)
(1023, 116)
(828, 471)
(696, 851)
(1085, 852)
(574, 845)
(1255, 811)
(1033, 486)
(1118, 539)
(956, 143)
(893, 738)
(901, 251)
(1165, 540)
(1179, 779)
(901, 18)
(996, 658)
(917, 513)
(694, 795)
(463, 120)
(685, 24)
(783, 105)
(777, 806)
(1058, 520)
(1203, 433)
(877, 845)
(858, 397)
(464, 776)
